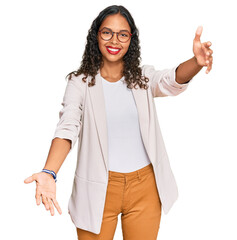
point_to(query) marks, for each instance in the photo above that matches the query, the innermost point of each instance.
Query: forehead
(116, 23)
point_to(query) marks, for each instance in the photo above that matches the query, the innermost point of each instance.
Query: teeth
(114, 50)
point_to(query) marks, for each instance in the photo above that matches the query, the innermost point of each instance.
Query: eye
(106, 32)
(123, 34)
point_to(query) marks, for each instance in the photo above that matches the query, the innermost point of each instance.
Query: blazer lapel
(98, 104)
(142, 103)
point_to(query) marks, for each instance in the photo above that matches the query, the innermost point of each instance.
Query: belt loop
(109, 175)
(125, 177)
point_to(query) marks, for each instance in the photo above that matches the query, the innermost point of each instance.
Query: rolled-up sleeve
(163, 82)
(70, 116)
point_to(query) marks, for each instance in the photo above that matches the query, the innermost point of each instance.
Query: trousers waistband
(124, 177)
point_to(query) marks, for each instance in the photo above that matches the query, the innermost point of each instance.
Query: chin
(113, 59)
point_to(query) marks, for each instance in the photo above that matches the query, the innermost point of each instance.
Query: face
(115, 23)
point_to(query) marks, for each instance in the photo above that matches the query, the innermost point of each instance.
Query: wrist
(50, 172)
(196, 61)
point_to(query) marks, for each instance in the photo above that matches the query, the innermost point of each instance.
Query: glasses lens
(106, 34)
(123, 36)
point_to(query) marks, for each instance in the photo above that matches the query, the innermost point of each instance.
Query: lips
(113, 50)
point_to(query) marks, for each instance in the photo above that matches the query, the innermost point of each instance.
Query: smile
(113, 51)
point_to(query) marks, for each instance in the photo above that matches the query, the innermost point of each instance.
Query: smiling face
(116, 23)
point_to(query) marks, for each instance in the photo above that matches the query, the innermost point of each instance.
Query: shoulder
(75, 89)
(77, 81)
(147, 69)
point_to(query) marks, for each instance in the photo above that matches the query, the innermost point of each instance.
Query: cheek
(101, 48)
(126, 47)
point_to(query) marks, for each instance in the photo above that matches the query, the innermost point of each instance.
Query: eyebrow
(119, 30)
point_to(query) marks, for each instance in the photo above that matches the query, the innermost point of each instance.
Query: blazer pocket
(86, 204)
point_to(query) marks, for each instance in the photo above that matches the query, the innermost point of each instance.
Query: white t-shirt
(126, 152)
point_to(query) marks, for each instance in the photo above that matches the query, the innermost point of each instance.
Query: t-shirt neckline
(118, 81)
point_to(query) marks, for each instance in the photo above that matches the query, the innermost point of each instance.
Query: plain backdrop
(42, 41)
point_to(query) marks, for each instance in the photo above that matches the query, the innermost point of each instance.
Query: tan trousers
(135, 196)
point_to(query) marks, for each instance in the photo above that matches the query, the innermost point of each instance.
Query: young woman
(122, 164)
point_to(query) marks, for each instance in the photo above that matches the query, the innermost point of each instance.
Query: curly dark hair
(92, 57)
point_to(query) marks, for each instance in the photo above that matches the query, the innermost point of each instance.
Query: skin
(202, 57)
(113, 64)
(111, 71)
(45, 183)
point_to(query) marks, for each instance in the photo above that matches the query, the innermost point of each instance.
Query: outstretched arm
(202, 57)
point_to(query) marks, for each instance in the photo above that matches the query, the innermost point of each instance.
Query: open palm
(45, 189)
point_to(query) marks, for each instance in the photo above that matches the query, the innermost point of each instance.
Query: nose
(114, 39)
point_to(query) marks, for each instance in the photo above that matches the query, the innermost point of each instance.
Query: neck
(112, 70)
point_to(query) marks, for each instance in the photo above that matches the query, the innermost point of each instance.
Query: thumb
(29, 179)
(198, 33)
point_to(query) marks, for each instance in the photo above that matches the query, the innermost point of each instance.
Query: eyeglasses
(107, 34)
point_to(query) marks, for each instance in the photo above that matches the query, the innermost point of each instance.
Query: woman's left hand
(202, 51)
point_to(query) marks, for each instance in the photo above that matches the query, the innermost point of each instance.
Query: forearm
(57, 154)
(187, 70)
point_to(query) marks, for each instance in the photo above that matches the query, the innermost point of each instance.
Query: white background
(42, 41)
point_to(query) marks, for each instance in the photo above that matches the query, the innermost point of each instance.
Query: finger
(207, 44)
(51, 206)
(209, 67)
(209, 55)
(29, 179)
(208, 70)
(205, 50)
(210, 52)
(37, 196)
(209, 60)
(198, 33)
(55, 202)
(45, 202)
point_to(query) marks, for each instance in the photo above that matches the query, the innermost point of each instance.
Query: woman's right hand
(45, 189)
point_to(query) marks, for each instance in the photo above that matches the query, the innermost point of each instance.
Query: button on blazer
(83, 118)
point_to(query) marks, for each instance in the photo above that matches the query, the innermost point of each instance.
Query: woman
(122, 164)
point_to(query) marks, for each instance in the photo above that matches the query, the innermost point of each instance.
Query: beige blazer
(86, 203)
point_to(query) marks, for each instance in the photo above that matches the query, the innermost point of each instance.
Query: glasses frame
(116, 34)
